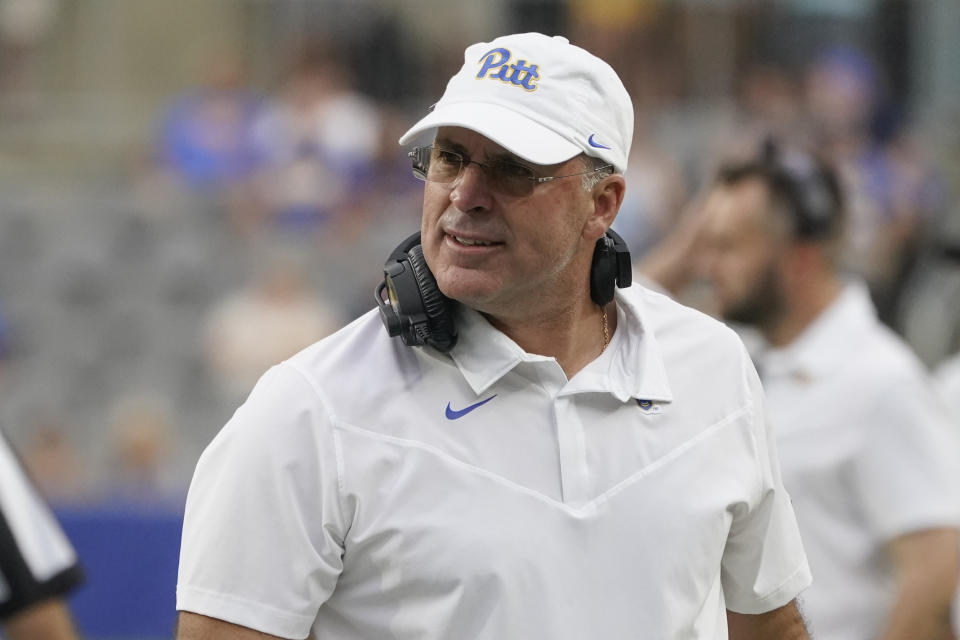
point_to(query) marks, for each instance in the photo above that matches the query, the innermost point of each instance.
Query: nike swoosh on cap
(453, 414)
(594, 143)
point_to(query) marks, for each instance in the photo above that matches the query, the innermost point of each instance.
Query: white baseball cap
(539, 97)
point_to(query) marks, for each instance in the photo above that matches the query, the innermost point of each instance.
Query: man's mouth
(473, 243)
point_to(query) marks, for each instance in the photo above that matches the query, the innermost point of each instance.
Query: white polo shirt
(395, 492)
(867, 455)
(947, 382)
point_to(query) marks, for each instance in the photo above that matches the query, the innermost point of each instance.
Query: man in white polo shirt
(539, 455)
(868, 454)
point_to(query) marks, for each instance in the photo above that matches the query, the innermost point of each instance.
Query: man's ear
(804, 257)
(607, 197)
(800, 262)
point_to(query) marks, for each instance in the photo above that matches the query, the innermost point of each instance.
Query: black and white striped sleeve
(36, 559)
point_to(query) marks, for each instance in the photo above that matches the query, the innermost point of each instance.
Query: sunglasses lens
(444, 167)
(511, 178)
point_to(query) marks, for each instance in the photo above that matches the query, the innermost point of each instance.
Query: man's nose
(471, 191)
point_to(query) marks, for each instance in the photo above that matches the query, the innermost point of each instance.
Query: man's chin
(747, 315)
(471, 289)
(737, 316)
(479, 300)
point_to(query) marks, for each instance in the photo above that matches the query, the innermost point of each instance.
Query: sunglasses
(443, 166)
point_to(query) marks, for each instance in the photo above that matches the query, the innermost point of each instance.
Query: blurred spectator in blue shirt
(317, 142)
(205, 136)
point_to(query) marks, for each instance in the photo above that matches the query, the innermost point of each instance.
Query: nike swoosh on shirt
(453, 414)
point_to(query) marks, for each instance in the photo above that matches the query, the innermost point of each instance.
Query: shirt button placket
(573, 452)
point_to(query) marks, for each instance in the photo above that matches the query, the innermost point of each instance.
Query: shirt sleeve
(37, 561)
(909, 431)
(263, 530)
(764, 564)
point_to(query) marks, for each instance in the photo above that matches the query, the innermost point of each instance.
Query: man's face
(531, 248)
(742, 254)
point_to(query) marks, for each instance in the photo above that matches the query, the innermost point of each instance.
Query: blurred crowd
(257, 220)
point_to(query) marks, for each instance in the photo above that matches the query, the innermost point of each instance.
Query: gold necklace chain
(606, 331)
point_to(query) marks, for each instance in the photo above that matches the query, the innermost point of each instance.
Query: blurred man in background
(866, 448)
(278, 313)
(37, 564)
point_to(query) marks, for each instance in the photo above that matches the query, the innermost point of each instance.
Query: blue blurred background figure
(206, 136)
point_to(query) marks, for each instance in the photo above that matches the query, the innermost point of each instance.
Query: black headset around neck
(415, 310)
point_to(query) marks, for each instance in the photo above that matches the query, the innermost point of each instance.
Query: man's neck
(574, 336)
(804, 306)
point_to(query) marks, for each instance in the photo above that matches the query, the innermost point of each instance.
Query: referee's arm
(38, 566)
(47, 620)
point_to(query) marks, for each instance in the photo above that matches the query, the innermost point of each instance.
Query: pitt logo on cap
(496, 63)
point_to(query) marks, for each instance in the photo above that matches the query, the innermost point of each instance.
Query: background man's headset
(415, 310)
(809, 187)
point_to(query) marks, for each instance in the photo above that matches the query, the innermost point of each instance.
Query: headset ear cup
(436, 306)
(603, 271)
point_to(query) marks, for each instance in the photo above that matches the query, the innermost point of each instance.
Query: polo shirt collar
(825, 344)
(631, 367)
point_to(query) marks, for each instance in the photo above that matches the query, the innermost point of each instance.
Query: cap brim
(511, 130)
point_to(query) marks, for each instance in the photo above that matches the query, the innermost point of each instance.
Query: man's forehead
(467, 139)
(476, 144)
(752, 211)
(740, 206)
